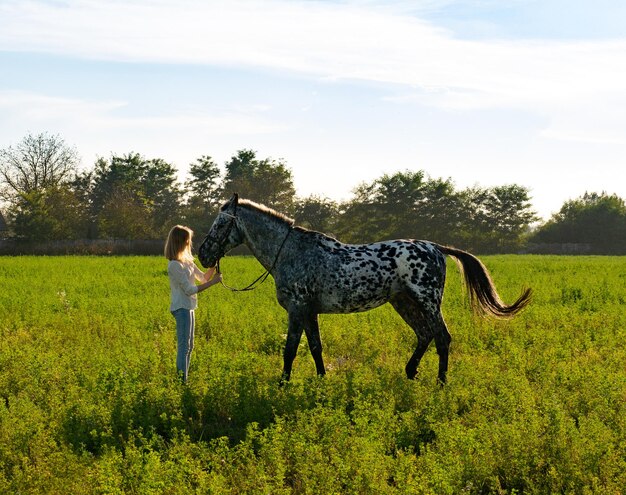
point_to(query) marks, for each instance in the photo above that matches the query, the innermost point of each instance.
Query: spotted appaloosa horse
(315, 273)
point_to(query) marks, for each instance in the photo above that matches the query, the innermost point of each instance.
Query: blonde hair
(178, 244)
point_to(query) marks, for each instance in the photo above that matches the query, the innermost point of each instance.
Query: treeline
(133, 197)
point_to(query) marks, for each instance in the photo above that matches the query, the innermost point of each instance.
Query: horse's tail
(483, 294)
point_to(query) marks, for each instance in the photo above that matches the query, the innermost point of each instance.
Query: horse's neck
(264, 235)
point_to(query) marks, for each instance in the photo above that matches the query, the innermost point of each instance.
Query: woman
(183, 273)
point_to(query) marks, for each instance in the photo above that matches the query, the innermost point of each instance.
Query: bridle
(221, 239)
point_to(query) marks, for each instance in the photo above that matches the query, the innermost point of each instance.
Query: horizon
(481, 92)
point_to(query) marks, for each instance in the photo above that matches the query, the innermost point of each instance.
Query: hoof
(411, 375)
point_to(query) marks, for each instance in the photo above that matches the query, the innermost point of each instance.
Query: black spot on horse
(391, 261)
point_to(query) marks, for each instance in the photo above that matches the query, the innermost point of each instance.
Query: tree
(274, 182)
(37, 163)
(384, 208)
(316, 213)
(203, 184)
(495, 219)
(56, 214)
(132, 185)
(266, 181)
(163, 194)
(595, 219)
(410, 205)
(125, 215)
(203, 193)
(511, 214)
(436, 215)
(402, 205)
(3, 226)
(359, 219)
(34, 178)
(397, 198)
(30, 217)
(81, 187)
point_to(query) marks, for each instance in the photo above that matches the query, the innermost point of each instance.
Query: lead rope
(260, 279)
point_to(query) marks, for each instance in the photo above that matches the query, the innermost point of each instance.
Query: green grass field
(90, 404)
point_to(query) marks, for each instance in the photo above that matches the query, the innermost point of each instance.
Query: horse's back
(345, 278)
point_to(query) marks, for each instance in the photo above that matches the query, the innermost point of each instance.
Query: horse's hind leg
(412, 314)
(312, 330)
(411, 366)
(442, 341)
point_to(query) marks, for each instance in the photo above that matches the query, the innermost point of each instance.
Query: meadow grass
(90, 403)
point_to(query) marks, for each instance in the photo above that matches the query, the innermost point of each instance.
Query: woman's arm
(197, 273)
(209, 274)
(180, 276)
(215, 280)
(203, 276)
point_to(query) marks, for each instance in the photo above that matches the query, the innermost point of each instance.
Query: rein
(260, 279)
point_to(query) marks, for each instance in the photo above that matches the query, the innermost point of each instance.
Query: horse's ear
(235, 199)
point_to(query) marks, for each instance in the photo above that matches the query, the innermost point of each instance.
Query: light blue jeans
(185, 323)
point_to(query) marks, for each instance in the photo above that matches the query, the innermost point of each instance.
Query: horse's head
(223, 235)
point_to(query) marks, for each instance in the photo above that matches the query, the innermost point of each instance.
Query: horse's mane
(251, 205)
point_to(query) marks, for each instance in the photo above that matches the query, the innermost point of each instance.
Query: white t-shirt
(183, 289)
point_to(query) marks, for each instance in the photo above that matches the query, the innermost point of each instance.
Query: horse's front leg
(294, 334)
(312, 330)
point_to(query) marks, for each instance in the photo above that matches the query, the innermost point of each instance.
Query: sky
(485, 92)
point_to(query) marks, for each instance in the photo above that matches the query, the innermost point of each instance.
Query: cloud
(42, 110)
(321, 38)
(35, 107)
(103, 127)
(364, 41)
